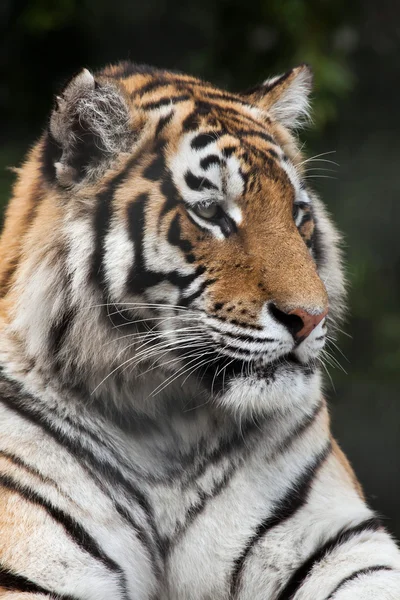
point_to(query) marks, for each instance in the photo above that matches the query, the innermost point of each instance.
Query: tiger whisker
(186, 317)
(319, 176)
(145, 305)
(331, 162)
(152, 333)
(321, 169)
(327, 372)
(331, 341)
(160, 346)
(131, 359)
(317, 156)
(332, 360)
(342, 332)
(197, 367)
(175, 376)
(174, 359)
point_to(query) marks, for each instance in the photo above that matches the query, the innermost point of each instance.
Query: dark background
(354, 49)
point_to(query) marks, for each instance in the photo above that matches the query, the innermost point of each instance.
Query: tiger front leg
(332, 548)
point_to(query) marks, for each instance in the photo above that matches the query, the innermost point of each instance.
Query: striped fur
(163, 434)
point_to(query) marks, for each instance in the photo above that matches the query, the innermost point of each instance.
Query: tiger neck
(181, 430)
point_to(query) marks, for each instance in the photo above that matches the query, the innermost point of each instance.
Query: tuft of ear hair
(89, 126)
(285, 97)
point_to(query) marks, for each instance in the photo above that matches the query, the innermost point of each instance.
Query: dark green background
(354, 48)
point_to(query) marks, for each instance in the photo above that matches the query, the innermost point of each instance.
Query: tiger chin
(168, 281)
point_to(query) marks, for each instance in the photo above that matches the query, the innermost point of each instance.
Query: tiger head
(162, 228)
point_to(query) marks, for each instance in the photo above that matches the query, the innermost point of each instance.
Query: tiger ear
(89, 126)
(286, 97)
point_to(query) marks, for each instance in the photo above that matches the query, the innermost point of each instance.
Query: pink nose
(309, 322)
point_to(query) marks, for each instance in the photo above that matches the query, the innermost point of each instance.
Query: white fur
(292, 108)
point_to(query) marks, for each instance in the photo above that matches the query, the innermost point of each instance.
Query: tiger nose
(299, 322)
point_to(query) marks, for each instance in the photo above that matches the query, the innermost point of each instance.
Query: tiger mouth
(222, 367)
(220, 372)
(240, 367)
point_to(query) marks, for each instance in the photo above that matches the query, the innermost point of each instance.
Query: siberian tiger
(167, 284)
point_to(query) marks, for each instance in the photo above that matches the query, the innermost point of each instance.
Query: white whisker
(175, 376)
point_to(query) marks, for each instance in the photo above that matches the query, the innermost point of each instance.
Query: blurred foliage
(43, 42)
(221, 40)
(354, 50)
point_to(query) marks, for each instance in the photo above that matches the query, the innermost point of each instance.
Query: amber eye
(206, 211)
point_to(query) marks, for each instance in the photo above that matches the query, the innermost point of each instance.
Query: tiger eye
(206, 211)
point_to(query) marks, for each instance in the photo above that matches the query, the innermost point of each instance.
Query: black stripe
(240, 441)
(98, 470)
(261, 89)
(174, 235)
(171, 194)
(228, 151)
(269, 86)
(265, 154)
(293, 500)
(366, 571)
(212, 159)
(317, 243)
(238, 323)
(101, 221)
(59, 332)
(155, 170)
(243, 351)
(154, 84)
(186, 300)
(76, 448)
(259, 134)
(299, 429)
(165, 101)
(226, 97)
(198, 183)
(19, 583)
(19, 462)
(74, 529)
(241, 336)
(202, 140)
(238, 116)
(197, 508)
(300, 575)
(126, 68)
(163, 122)
(140, 278)
(191, 122)
(202, 108)
(225, 449)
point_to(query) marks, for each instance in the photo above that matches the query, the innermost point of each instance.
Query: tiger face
(183, 210)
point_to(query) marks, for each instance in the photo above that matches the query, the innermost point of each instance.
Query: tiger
(168, 281)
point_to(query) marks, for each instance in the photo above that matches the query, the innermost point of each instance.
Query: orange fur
(347, 468)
